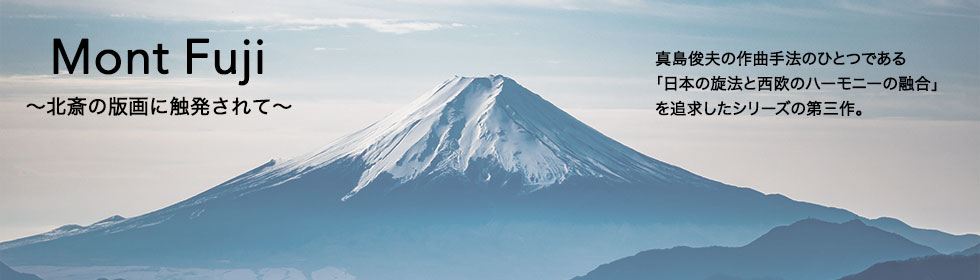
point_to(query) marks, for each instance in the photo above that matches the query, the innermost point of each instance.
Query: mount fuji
(478, 179)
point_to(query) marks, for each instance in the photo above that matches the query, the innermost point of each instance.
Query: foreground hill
(946, 267)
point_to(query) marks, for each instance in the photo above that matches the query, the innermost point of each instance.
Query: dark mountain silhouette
(945, 267)
(808, 249)
(7, 273)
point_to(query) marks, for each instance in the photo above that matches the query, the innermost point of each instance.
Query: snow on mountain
(469, 120)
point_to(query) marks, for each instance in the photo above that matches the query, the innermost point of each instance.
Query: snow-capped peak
(476, 120)
(464, 120)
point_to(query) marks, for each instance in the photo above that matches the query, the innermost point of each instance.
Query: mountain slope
(480, 178)
(62, 231)
(808, 249)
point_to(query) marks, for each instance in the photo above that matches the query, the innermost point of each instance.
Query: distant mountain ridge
(943, 242)
(968, 251)
(806, 250)
(7, 273)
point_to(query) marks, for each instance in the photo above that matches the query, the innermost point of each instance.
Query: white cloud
(953, 8)
(379, 25)
(285, 15)
(244, 29)
(320, 49)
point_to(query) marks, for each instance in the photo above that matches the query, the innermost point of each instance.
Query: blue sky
(347, 63)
